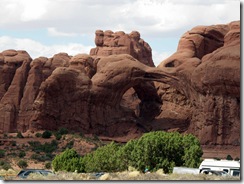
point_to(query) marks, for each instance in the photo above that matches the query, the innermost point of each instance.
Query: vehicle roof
(220, 163)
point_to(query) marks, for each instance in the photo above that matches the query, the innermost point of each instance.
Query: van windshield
(235, 172)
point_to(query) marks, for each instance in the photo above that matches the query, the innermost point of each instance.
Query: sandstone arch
(69, 98)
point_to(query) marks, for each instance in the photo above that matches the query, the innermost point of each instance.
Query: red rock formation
(207, 63)
(57, 91)
(40, 69)
(71, 99)
(138, 97)
(93, 93)
(110, 43)
(14, 70)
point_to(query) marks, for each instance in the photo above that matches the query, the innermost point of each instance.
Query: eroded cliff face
(21, 79)
(40, 69)
(14, 68)
(207, 63)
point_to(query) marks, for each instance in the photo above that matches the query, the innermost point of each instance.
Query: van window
(236, 173)
(205, 168)
(226, 170)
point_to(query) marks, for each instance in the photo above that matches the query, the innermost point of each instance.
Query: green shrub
(229, 157)
(68, 160)
(6, 167)
(63, 131)
(22, 164)
(50, 147)
(2, 162)
(2, 153)
(192, 151)
(13, 143)
(58, 136)
(69, 145)
(50, 156)
(48, 165)
(164, 150)
(105, 158)
(38, 157)
(154, 150)
(42, 158)
(12, 153)
(19, 135)
(22, 154)
(37, 147)
(237, 159)
(96, 138)
(46, 134)
(38, 134)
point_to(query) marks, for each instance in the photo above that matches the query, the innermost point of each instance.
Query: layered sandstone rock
(113, 43)
(70, 98)
(60, 91)
(40, 69)
(207, 63)
(14, 68)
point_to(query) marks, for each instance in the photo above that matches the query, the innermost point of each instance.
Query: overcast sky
(47, 27)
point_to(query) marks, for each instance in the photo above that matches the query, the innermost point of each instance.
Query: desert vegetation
(71, 160)
(38, 149)
(154, 150)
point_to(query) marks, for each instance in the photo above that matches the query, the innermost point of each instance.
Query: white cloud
(36, 49)
(69, 18)
(33, 10)
(166, 17)
(19, 11)
(151, 17)
(52, 31)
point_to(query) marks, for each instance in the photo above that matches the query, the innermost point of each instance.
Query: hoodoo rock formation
(110, 43)
(112, 92)
(207, 64)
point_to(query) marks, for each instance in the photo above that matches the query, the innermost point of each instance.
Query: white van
(229, 166)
